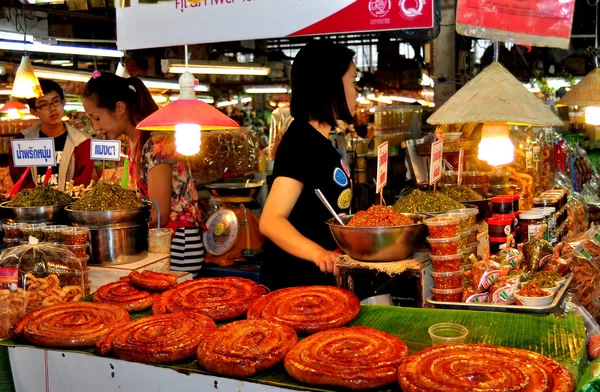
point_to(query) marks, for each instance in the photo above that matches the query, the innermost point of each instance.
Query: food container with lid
(464, 240)
(499, 178)
(447, 263)
(54, 234)
(80, 251)
(444, 246)
(463, 219)
(10, 242)
(500, 226)
(447, 280)
(447, 295)
(503, 205)
(449, 177)
(499, 190)
(473, 232)
(551, 234)
(531, 223)
(475, 178)
(442, 227)
(471, 212)
(12, 230)
(37, 275)
(75, 235)
(33, 230)
(546, 202)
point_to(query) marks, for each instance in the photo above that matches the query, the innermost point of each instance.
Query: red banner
(524, 22)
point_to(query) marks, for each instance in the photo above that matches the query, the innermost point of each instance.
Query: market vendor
(300, 249)
(116, 105)
(72, 147)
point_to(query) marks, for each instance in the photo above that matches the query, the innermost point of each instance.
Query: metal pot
(116, 237)
(44, 214)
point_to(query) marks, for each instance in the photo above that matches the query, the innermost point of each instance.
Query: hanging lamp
(585, 94)
(26, 84)
(187, 117)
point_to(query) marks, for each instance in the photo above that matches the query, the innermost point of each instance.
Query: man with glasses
(71, 145)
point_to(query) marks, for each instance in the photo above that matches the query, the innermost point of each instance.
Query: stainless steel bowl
(112, 219)
(392, 243)
(44, 214)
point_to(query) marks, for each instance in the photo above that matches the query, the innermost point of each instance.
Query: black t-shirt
(59, 146)
(307, 156)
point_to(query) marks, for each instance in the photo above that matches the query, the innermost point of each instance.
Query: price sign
(105, 150)
(435, 162)
(461, 157)
(33, 152)
(382, 166)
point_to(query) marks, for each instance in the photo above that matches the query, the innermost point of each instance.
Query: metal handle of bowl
(329, 207)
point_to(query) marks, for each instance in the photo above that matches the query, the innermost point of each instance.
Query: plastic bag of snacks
(578, 217)
(36, 275)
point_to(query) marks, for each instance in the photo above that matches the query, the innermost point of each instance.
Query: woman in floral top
(116, 105)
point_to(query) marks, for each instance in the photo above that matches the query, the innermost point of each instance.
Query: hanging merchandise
(533, 23)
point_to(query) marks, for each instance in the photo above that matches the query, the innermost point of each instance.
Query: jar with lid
(499, 190)
(449, 177)
(503, 205)
(516, 199)
(546, 202)
(12, 230)
(551, 234)
(499, 226)
(531, 223)
(499, 177)
(38, 275)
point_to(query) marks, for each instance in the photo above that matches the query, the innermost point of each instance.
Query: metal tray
(553, 307)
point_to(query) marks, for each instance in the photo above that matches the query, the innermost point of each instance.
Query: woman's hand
(325, 260)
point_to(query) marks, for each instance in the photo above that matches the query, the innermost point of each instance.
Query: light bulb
(592, 115)
(26, 84)
(495, 146)
(187, 139)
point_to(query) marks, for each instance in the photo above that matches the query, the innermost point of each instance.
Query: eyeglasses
(56, 102)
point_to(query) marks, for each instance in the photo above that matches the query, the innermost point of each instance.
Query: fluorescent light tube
(60, 49)
(267, 90)
(220, 70)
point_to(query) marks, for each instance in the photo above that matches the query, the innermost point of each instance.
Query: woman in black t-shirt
(300, 249)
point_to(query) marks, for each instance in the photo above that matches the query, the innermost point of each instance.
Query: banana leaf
(560, 338)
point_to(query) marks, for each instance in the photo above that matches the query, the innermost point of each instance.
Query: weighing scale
(232, 232)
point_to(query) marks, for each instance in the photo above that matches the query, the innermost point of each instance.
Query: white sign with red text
(205, 21)
(435, 162)
(382, 166)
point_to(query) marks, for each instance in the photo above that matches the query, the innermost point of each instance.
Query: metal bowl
(110, 219)
(234, 189)
(391, 243)
(44, 214)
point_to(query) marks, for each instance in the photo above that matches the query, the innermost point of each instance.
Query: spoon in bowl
(329, 207)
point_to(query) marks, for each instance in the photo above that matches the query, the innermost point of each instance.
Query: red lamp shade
(185, 111)
(13, 105)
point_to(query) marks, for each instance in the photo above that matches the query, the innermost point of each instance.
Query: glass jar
(531, 223)
(499, 177)
(503, 205)
(551, 234)
(475, 178)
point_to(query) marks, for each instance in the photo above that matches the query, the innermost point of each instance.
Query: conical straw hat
(584, 93)
(494, 96)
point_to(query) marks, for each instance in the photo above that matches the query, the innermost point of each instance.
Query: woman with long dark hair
(300, 249)
(116, 106)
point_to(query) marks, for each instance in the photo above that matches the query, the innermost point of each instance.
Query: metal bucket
(116, 237)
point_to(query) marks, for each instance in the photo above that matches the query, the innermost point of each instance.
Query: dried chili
(379, 216)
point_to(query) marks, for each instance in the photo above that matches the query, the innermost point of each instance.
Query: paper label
(488, 278)
(533, 231)
(504, 295)
(548, 135)
(529, 159)
(435, 162)
(461, 157)
(105, 150)
(596, 239)
(9, 278)
(33, 152)
(480, 298)
(382, 165)
(545, 260)
(537, 154)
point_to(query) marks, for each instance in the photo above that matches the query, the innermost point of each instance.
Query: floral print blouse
(160, 149)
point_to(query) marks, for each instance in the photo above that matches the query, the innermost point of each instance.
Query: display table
(36, 369)
(155, 262)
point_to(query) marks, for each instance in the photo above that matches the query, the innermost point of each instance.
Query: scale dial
(222, 233)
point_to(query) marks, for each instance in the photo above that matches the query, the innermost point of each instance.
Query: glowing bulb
(495, 146)
(187, 139)
(26, 84)
(592, 115)
(13, 114)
